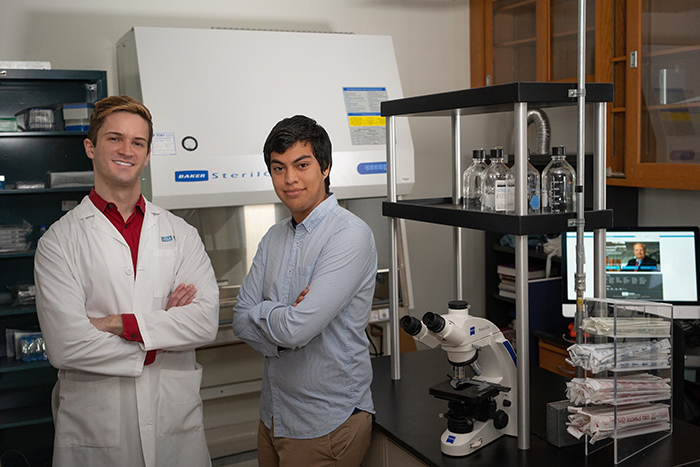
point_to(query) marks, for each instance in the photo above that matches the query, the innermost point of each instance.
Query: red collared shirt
(131, 231)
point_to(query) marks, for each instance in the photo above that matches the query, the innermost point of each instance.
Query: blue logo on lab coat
(472, 331)
(192, 176)
(169, 238)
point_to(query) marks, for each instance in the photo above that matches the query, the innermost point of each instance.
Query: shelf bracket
(576, 93)
(575, 222)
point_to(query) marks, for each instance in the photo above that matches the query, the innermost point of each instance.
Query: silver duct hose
(541, 121)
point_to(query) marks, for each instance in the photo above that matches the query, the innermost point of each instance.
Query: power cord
(15, 452)
(376, 352)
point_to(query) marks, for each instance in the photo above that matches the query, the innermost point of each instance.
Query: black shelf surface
(442, 211)
(34, 134)
(22, 416)
(498, 98)
(18, 254)
(12, 364)
(53, 75)
(7, 310)
(67, 189)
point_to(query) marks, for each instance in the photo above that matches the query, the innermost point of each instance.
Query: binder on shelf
(509, 270)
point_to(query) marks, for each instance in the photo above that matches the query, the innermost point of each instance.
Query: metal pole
(456, 199)
(580, 276)
(599, 199)
(521, 280)
(393, 249)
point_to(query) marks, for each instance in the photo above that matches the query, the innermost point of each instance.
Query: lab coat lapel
(87, 210)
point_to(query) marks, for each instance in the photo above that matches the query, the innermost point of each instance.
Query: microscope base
(463, 444)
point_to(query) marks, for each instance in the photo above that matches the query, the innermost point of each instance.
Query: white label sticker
(164, 144)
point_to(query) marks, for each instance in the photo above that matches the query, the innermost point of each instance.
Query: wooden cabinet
(656, 113)
(553, 358)
(648, 48)
(537, 40)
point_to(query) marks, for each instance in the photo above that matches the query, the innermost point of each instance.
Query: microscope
(482, 407)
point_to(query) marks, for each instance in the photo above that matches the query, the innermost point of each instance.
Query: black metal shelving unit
(512, 97)
(25, 387)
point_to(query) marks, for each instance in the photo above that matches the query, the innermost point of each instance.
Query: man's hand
(301, 296)
(181, 296)
(111, 323)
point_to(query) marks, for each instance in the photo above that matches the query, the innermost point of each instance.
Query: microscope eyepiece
(411, 325)
(434, 322)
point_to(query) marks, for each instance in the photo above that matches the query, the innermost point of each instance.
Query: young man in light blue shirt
(304, 305)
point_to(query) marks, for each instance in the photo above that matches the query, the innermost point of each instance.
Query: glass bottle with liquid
(533, 188)
(471, 181)
(558, 182)
(494, 196)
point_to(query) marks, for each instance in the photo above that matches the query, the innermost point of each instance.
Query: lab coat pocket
(87, 413)
(179, 403)
(164, 272)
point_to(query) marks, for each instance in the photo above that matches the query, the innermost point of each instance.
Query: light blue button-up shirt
(323, 373)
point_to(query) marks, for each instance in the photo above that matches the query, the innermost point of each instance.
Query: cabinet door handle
(565, 370)
(633, 59)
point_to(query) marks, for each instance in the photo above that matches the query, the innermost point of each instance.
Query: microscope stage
(470, 391)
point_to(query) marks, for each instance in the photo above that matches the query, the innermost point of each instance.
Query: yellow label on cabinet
(367, 121)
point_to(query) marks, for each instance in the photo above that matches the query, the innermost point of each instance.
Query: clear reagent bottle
(558, 182)
(533, 188)
(471, 181)
(494, 196)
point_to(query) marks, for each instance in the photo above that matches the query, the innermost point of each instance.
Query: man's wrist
(116, 325)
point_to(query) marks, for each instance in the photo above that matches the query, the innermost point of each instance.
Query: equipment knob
(500, 421)
(507, 403)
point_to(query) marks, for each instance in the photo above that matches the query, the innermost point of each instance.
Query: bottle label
(501, 201)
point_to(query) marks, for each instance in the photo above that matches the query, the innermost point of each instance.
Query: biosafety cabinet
(215, 94)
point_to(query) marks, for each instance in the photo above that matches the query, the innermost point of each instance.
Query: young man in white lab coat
(125, 292)
(305, 305)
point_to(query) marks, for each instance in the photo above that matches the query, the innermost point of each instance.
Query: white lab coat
(110, 409)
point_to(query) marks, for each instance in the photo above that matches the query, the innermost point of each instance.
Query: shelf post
(521, 279)
(580, 275)
(599, 199)
(456, 199)
(393, 249)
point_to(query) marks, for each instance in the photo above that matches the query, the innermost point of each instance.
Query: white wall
(431, 40)
(669, 207)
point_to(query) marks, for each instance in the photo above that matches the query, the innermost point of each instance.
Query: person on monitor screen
(305, 305)
(641, 262)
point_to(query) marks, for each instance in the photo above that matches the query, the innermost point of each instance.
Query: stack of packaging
(76, 117)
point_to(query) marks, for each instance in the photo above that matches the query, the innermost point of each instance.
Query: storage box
(77, 111)
(78, 124)
(557, 416)
(8, 124)
(36, 119)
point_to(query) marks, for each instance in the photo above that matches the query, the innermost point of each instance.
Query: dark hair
(109, 105)
(286, 133)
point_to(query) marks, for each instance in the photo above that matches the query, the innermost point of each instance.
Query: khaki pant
(345, 446)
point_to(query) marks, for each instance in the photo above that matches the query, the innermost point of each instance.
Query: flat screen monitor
(641, 263)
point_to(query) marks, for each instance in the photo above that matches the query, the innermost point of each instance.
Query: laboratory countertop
(409, 416)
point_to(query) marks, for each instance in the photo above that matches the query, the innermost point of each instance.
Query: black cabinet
(25, 387)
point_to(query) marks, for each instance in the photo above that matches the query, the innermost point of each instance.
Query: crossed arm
(181, 296)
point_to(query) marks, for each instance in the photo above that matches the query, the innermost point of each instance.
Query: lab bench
(407, 426)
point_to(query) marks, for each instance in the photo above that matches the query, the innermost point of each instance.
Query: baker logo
(192, 176)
